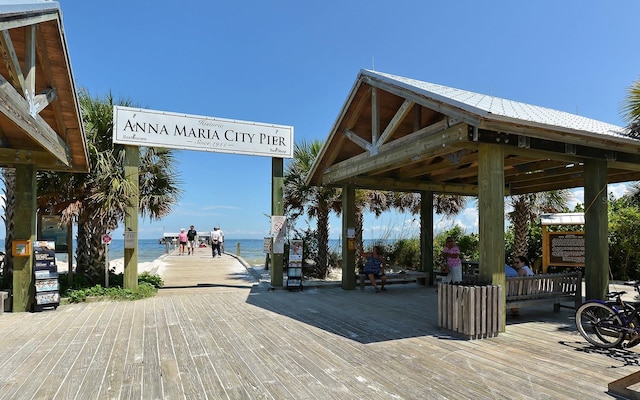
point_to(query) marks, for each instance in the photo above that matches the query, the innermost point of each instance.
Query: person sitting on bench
(374, 268)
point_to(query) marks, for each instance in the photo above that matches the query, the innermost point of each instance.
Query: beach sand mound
(152, 267)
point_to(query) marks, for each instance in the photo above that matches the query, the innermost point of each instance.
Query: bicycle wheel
(599, 324)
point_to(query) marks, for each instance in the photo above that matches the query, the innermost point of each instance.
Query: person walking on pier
(182, 239)
(191, 237)
(221, 241)
(215, 242)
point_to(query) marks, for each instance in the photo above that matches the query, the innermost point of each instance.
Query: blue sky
(293, 63)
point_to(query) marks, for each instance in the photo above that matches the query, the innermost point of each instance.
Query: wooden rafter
(17, 109)
(396, 153)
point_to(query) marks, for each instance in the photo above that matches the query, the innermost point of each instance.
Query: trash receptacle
(472, 309)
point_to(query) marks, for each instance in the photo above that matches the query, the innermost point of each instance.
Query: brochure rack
(294, 269)
(46, 276)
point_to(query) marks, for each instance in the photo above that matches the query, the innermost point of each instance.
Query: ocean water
(251, 250)
(150, 249)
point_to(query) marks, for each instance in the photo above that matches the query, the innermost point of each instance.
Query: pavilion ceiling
(40, 119)
(391, 137)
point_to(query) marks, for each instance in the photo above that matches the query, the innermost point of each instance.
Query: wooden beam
(359, 107)
(395, 122)
(16, 108)
(41, 159)
(11, 61)
(440, 107)
(375, 144)
(375, 116)
(377, 183)
(398, 152)
(45, 69)
(329, 153)
(42, 100)
(596, 141)
(541, 154)
(30, 67)
(28, 20)
(355, 138)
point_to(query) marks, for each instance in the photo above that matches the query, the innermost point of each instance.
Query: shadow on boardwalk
(215, 333)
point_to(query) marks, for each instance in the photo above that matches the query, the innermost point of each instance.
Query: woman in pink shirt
(451, 253)
(182, 239)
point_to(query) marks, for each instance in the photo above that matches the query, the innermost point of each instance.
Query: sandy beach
(152, 267)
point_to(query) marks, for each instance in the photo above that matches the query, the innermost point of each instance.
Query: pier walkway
(215, 332)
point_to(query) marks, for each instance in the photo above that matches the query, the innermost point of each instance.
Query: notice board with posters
(294, 269)
(46, 275)
(562, 248)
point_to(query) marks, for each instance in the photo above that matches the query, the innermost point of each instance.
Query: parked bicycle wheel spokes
(599, 325)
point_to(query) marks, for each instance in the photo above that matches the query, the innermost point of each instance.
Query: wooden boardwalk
(215, 333)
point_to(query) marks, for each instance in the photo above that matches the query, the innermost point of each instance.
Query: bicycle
(609, 323)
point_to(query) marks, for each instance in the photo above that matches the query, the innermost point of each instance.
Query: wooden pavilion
(40, 122)
(401, 134)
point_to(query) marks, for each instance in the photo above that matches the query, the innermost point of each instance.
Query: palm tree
(631, 109)
(97, 201)
(528, 207)
(314, 201)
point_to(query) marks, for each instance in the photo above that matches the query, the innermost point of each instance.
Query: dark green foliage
(148, 286)
(406, 253)
(143, 291)
(624, 241)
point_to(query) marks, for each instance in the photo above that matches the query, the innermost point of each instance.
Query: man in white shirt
(221, 241)
(215, 242)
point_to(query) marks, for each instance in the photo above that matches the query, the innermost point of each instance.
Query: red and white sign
(106, 238)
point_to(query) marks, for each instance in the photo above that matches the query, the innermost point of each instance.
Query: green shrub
(154, 280)
(147, 287)
(406, 253)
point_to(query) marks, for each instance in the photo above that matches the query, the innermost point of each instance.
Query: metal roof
(40, 120)
(402, 134)
(492, 107)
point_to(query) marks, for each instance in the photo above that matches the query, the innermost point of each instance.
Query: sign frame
(152, 128)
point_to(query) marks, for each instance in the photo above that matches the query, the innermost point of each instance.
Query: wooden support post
(131, 163)
(277, 208)
(348, 222)
(426, 235)
(24, 229)
(596, 248)
(491, 217)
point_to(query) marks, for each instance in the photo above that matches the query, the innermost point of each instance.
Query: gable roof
(397, 133)
(491, 107)
(40, 121)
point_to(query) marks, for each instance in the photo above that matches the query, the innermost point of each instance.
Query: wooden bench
(396, 277)
(522, 291)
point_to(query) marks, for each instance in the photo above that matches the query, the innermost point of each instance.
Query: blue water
(251, 250)
(149, 249)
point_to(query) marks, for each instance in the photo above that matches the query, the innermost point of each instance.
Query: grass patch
(148, 286)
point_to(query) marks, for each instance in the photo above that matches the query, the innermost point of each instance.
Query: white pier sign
(140, 127)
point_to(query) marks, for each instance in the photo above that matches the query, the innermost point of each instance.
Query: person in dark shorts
(374, 268)
(191, 240)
